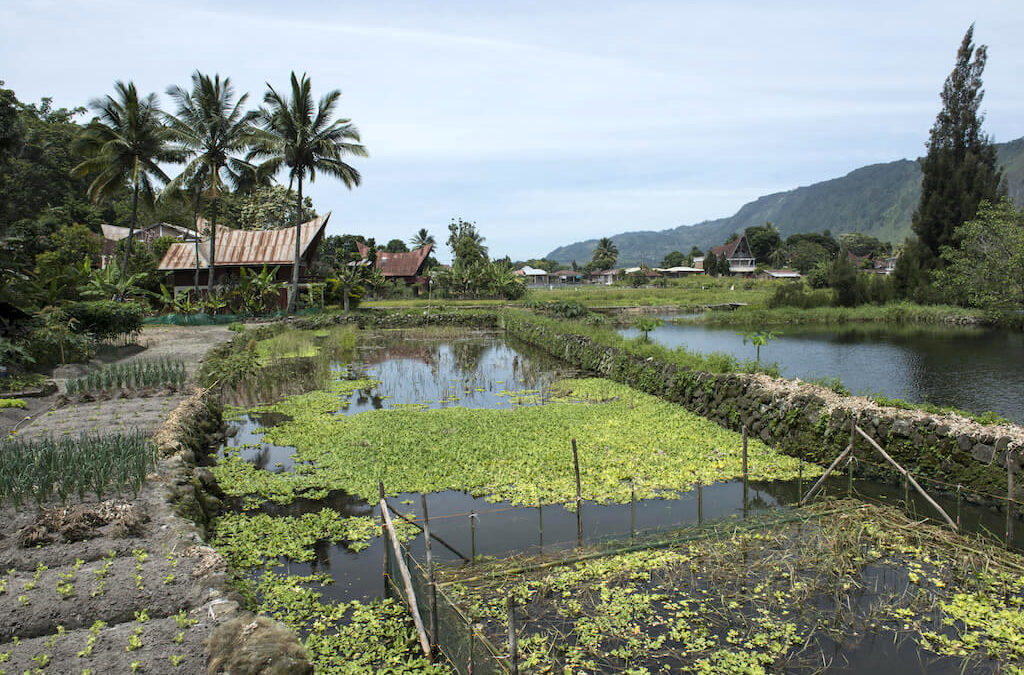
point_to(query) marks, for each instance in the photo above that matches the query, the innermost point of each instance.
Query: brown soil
(63, 568)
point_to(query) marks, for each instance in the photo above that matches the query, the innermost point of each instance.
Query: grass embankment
(894, 313)
(607, 336)
(684, 293)
(519, 454)
(841, 582)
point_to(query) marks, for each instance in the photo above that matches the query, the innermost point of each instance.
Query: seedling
(94, 636)
(176, 659)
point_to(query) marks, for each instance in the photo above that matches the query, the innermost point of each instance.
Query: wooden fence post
(407, 580)
(430, 576)
(513, 639)
(579, 496)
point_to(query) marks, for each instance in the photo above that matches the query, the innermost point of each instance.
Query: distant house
(407, 266)
(567, 276)
(779, 274)
(885, 265)
(606, 277)
(534, 277)
(737, 252)
(246, 249)
(147, 235)
(679, 271)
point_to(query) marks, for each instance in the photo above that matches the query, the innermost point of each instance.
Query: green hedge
(106, 319)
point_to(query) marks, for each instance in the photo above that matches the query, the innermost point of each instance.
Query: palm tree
(606, 253)
(421, 238)
(211, 128)
(302, 137)
(125, 143)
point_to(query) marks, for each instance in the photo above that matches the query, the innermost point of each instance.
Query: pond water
(484, 370)
(972, 369)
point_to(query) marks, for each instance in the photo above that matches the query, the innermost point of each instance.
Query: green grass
(521, 454)
(287, 344)
(988, 417)
(131, 375)
(896, 313)
(12, 403)
(684, 293)
(22, 382)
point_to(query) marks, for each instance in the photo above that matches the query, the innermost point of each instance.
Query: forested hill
(878, 200)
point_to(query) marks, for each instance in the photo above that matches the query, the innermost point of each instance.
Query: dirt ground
(51, 415)
(102, 587)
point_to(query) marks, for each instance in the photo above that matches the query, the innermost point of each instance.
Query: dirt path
(106, 586)
(46, 416)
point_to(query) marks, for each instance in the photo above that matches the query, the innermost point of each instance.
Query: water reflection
(970, 368)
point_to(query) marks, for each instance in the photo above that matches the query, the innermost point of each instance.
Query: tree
(864, 244)
(466, 243)
(711, 264)
(125, 143)
(421, 238)
(674, 259)
(605, 254)
(301, 136)
(843, 280)
(987, 268)
(960, 168)
(758, 339)
(211, 128)
(396, 246)
(269, 207)
(763, 241)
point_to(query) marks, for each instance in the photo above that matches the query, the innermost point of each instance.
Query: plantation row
(131, 375)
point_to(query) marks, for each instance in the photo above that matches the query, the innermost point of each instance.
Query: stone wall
(802, 419)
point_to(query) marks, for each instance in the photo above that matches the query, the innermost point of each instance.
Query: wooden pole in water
(540, 525)
(825, 475)
(744, 470)
(579, 496)
(472, 538)
(513, 645)
(430, 574)
(1010, 462)
(700, 504)
(384, 536)
(406, 580)
(632, 508)
(908, 478)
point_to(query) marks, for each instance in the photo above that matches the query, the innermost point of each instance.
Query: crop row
(131, 375)
(40, 469)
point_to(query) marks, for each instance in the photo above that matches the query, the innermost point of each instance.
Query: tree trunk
(293, 297)
(213, 248)
(345, 289)
(195, 224)
(131, 228)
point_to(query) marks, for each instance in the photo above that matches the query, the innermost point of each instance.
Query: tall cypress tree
(960, 167)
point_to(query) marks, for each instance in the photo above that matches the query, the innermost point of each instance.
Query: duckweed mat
(837, 587)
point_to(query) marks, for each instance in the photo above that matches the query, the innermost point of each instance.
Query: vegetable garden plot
(844, 587)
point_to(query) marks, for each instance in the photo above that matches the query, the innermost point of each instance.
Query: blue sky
(551, 122)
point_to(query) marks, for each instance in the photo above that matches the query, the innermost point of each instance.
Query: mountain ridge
(876, 199)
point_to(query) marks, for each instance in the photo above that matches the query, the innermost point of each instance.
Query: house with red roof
(737, 252)
(407, 267)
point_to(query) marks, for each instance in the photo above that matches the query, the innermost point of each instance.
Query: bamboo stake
(909, 478)
(1009, 498)
(829, 470)
(384, 535)
(406, 580)
(430, 571)
(513, 646)
(579, 497)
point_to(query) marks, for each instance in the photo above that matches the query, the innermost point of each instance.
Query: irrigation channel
(655, 542)
(975, 369)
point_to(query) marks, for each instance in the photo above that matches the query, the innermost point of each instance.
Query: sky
(547, 123)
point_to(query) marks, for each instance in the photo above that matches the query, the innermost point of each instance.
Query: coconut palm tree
(421, 238)
(211, 128)
(125, 144)
(301, 136)
(605, 254)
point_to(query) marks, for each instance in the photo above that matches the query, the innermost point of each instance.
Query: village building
(568, 276)
(779, 274)
(147, 235)
(679, 271)
(737, 252)
(406, 267)
(535, 278)
(606, 277)
(246, 249)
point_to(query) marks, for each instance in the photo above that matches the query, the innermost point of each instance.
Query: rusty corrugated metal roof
(406, 264)
(246, 247)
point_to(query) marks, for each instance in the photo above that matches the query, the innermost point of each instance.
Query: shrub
(106, 319)
(794, 295)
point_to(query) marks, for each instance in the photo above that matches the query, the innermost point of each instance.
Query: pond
(973, 369)
(411, 378)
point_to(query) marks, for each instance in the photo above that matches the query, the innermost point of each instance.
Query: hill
(878, 199)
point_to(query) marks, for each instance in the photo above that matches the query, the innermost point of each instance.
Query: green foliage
(986, 268)
(795, 295)
(604, 255)
(268, 207)
(565, 309)
(987, 417)
(56, 337)
(45, 468)
(520, 454)
(110, 283)
(132, 375)
(479, 280)
(759, 339)
(105, 319)
(646, 324)
(843, 281)
(466, 244)
(763, 241)
(675, 259)
(894, 313)
(959, 170)
(12, 403)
